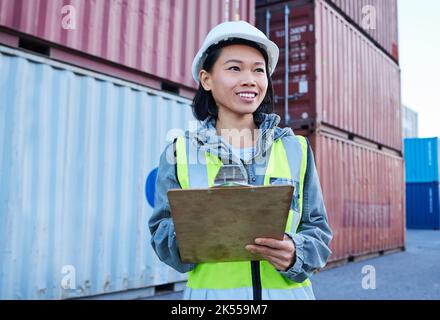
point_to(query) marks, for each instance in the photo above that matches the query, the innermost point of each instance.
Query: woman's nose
(249, 79)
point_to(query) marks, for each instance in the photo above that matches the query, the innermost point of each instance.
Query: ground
(411, 274)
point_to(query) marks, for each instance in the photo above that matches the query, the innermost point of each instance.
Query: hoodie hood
(206, 138)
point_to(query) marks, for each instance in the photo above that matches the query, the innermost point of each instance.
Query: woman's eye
(260, 70)
(234, 68)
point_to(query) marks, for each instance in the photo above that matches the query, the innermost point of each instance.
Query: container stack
(147, 42)
(76, 155)
(422, 178)
(86, 85)
(91, 92)
(340, 87)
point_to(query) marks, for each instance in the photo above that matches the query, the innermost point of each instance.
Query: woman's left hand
(281, 254)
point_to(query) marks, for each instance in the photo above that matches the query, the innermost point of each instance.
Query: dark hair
(204, 104)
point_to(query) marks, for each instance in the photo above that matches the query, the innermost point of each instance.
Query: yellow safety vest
(234, 280)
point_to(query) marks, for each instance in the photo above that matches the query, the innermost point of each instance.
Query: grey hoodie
(313, 235)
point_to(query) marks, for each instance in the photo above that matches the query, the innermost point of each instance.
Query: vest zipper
(256, 280)
(255, 265)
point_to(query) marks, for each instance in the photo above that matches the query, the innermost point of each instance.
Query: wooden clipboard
(215, 224)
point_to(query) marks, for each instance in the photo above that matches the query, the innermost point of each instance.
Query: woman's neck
(239, 130)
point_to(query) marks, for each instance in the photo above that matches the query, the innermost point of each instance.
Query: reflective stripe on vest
(287, 160)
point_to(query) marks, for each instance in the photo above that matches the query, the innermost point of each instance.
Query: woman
(234, 103)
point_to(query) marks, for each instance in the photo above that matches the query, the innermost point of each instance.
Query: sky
(419, 54)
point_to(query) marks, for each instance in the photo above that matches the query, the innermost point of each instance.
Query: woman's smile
(247, 96)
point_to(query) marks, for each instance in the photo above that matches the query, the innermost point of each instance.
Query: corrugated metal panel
(410, 123)
(153, 36)
(378, 18)
(423, 205)
(422, 160)
(364, 196)
(76, 149)
(358, 87)
(302, 79)
(336, 75)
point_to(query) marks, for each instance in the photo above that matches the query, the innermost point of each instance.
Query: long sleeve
(163, 237)
(314, 234)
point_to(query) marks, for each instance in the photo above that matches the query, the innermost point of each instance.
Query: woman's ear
(205, 80)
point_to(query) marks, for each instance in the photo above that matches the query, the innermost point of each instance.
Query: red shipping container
(337, 76)
(364, 196)
(157, 37)
(376, 18)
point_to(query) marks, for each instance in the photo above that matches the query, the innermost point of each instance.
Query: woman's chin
(244, 110)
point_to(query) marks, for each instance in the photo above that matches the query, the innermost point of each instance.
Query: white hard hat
(230, 30)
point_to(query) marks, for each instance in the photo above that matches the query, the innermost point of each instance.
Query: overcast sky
(419, 51)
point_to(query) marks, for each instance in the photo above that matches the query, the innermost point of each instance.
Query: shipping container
(336, 76)
(78, 152)
(156, 37)
(377, 19)
(410, 123)
(423, 205)
(422, 160)
(364, 196)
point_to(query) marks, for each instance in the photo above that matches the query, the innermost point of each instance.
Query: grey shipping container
(76, 151)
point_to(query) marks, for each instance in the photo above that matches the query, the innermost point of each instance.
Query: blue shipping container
(422, 205)
(421, 160)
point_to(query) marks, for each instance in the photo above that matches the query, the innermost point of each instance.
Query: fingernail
(257, 241)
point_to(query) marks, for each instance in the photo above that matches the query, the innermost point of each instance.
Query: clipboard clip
(230, 175)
